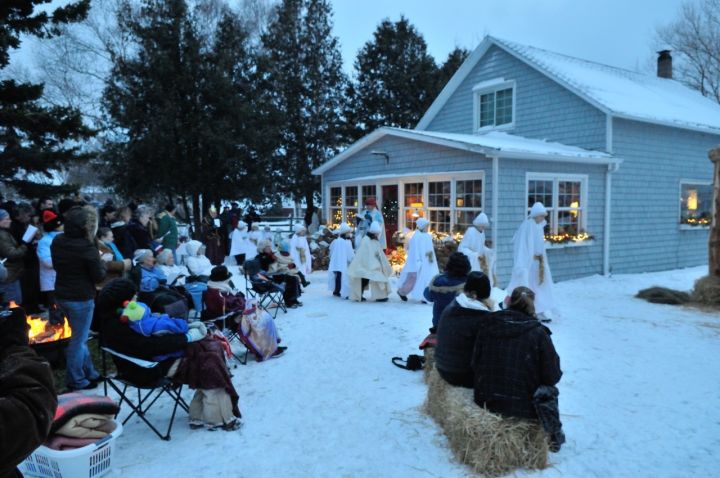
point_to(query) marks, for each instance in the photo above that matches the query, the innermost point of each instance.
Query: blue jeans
(80, 368)
(11, 291)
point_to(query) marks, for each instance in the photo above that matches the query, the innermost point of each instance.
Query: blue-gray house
(619, 159)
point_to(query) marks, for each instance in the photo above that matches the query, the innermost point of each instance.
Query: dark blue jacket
(441, 291)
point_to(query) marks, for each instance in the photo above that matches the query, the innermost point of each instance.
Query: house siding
(645, 196)
(565, 262)
(543, 108)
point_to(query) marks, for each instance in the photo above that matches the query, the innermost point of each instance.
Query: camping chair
(213, 321)
(145, 399)
(268, 297)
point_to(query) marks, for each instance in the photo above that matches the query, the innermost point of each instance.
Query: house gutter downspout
(495, 196)
(608, 194)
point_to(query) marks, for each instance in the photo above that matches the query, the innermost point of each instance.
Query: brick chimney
(664, 64)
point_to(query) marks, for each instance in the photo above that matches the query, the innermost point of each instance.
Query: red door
(389, 209)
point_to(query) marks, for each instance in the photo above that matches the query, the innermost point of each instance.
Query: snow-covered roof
(615, 91)
(492, 144)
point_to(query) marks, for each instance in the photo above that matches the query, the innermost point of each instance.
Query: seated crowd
(128, 275)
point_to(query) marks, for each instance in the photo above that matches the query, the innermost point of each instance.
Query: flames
(41, 330)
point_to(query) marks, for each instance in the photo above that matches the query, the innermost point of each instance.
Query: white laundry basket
(89, 461)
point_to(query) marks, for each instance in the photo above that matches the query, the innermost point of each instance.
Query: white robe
(364, 225)
(255, 237)
(421, 261)
(341, 254)
(370, 263)
(300, 253)
(241, 244)
(529, 242)
(175, 272)
(473, 246)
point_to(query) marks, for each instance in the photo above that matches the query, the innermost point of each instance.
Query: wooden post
(714, 241)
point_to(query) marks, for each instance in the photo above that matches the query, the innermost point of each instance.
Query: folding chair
(268, 298)
(211, 321)
(145, 399)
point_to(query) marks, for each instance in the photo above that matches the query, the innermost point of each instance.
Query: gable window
(494, 104)
(695, 203)
(565, 198)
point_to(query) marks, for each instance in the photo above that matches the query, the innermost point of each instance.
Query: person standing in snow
(341, 255)
(366, 217)
(370, 267)
(420, 265)
(255, 235)
(530, 264)
(241, 248)
(473, 246)
(300, 253)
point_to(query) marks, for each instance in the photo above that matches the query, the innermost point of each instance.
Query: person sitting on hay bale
(506, 382)
(443, 288)
(458, 326)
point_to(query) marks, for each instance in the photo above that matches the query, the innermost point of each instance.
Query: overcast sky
(615, 32)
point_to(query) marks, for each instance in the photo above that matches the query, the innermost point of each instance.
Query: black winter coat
(456, 332)
(75, 257)
(140, 235)
(513, 356)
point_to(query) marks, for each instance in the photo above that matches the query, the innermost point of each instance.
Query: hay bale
(663, 295)
(429, 353)
(707, 291)
(487, 442)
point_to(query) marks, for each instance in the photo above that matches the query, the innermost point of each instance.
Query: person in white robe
(530, 266)
(300, 252)
(366, 217)
(267, 234)
(370, 267)
(481, 257)
(255, 234)
(341, 254)
(196, 261)
(241, 248)
(420, 264)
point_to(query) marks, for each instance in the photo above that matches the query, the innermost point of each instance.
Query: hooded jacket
(443, 288)
(513, 356)
(457, 328)
(76, 258)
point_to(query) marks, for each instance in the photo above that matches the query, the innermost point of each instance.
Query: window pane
(569, 194)
(468, 193)
(413, 195)
(335, 215)
(351, 196)
(568, 222)
(503, 107)
(439, 194)
(440, 221)
(696, 204)
(464, 219)
(369, 191)
(487, 109)
(540, 191)
(335, 197)
(411, 215)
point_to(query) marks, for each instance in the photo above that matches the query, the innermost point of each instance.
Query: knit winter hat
(284, 246)
(478, 283)
(458, 265)
(538, 209)
(422, 224)
(50, 220)
(134, 311)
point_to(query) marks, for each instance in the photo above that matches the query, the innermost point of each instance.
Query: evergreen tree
(396, 79)
(303, 68)
(34, 138)
(453, 61)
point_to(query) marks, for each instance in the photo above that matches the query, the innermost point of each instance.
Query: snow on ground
(639, 395)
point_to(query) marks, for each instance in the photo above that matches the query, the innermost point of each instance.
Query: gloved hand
(13, 327)
(194, 334)
(198, 325)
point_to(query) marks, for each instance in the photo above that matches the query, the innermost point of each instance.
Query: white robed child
(370, 267)
(530, 266)
(481, 257)
(341, 254)
(420, 265)
(366, 217)
(241, 248)
(300, 251)
(255, 234)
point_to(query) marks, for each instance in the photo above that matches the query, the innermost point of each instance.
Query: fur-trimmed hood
(82, 222)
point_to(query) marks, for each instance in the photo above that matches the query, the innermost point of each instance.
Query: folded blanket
(88, 425)
(73, 404)
(60, 442)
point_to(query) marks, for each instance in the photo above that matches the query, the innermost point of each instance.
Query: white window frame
(694, 182)
(556, 178)
(492, 86)
(400, 181)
